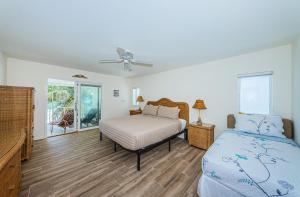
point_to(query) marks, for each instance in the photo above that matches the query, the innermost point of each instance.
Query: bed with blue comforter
(240, 163)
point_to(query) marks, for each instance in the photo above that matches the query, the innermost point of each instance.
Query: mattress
(138, 131)
(182, 124)
(245, 164)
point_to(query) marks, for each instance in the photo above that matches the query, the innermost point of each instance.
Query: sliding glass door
(72, 106)
(90, 111)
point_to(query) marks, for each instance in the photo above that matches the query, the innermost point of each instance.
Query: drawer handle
(11, 187)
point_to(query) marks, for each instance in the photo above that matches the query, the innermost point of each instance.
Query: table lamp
(199, 104)
(139, 100)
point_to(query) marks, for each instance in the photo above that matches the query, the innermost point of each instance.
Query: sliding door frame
(46, 110)
(78, 103)
(77, 85)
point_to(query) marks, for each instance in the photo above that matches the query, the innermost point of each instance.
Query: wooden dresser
(11, 142)
(16, 105)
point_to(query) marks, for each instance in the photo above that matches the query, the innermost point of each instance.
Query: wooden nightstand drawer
(198, 138)
(135, 112)
(201, 136)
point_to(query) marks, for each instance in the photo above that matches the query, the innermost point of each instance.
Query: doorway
(72, 106)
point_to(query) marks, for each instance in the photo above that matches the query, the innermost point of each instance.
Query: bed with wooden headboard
(126, 131)
(183, 106)
(287, 125)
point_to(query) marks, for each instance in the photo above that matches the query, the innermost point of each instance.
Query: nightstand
(135, 112)
(201, 136)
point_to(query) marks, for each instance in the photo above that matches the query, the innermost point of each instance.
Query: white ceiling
(168, 33)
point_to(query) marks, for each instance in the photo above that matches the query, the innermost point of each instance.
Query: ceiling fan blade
(110, 61)
(138, 63)
(121, 52)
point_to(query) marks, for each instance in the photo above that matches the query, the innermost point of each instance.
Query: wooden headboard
(184, 107)
(287, 126)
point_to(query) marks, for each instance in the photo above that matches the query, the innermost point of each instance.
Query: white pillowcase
(150, 110)
(168, 112)
(260, 124)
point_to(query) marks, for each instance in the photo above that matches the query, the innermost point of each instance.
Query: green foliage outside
(60, 98)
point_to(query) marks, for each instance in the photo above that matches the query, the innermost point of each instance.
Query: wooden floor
(80, 165)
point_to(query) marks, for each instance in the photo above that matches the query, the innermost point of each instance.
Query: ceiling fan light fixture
(126, 57)
(127, 67)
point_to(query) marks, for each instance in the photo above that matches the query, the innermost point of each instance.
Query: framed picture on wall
(116, 93)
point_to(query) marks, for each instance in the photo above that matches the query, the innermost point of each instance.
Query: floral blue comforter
(254, 165)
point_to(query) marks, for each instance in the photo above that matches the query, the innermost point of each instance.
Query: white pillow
(150, 110)
(168, 112)
(260, 124)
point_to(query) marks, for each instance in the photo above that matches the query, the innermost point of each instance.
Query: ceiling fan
(126, 57)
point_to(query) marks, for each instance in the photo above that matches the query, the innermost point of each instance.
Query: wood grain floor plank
(79, 164)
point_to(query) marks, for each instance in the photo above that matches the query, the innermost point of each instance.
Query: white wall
(216, 83)
(2, 69)
(296, 89)
(28, 73)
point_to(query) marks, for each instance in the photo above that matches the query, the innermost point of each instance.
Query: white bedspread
(138, 131)
(244, 164)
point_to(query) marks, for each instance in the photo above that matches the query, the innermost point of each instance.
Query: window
(255, 93)
(135, 94)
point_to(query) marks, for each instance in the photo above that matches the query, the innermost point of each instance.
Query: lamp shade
(139, 99)
(199, 104)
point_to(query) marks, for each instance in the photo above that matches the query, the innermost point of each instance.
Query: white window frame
(133, 100)
(268, 73)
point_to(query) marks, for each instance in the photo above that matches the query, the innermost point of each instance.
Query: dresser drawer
(10, 177)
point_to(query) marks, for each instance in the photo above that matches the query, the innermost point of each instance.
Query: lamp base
(199, 122)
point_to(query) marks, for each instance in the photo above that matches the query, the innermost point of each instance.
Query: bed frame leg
(100, 136)
(138, 161)
(169, 145)
(186, 134)
(115, 146)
